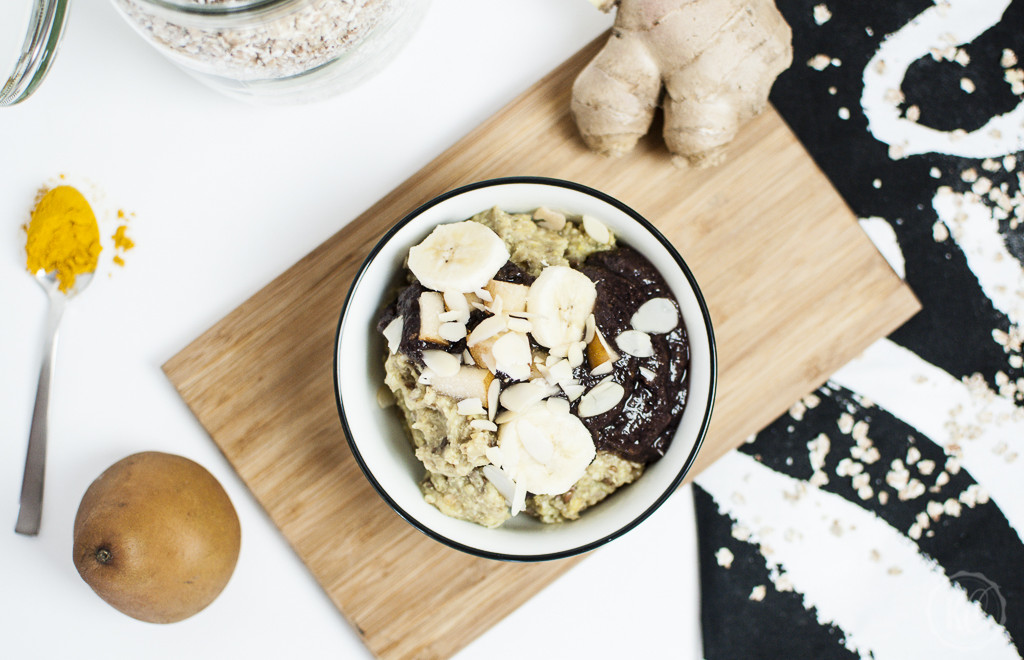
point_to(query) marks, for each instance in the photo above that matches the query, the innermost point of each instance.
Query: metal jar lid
(44, 22)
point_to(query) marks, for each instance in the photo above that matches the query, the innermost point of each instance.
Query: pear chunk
(431, 308)
(600, 353)
(513, 296)
(469, 382)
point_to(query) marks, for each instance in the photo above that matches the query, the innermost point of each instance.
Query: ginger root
(717, 61)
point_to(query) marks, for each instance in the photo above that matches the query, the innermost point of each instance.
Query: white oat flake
(822, 14)
(819, 62)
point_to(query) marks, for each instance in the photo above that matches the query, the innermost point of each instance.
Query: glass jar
(277, 51)
(28, 54)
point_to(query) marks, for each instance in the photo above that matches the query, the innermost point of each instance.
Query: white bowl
(379, 441)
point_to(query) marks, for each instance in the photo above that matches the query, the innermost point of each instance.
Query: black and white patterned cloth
(883, 516)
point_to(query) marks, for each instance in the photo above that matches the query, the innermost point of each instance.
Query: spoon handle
(35, 461)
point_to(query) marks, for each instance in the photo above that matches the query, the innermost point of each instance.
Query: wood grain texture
(794, 287)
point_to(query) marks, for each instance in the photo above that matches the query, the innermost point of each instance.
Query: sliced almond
(506, 416)
(560, 351)
(513, 347)
(599, 352)
(493, 392)
(589, 329)
(431, 308)
(500, 480)
(486, 329)
(450, 317)
(603, 369)
(468, 383)
(496, 305)
(575, 354)
(635, 343)
(647, 373)
(441, 363)
(512, 355)
(600, 399)
(596, 229)
(470, 406)
(519, 325)
(560, 371)
(518, 372)
(549, 219)
(494, 455)
(455, 301)
(657, 315)
(513, 296)
(452, 331)
(393, 333)
(520, 396)
(573, 390)
(518, 499)
(484, 295)
(484, 425)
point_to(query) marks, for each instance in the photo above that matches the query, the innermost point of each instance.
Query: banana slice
(458, 257)
(545, 449)
(560, 300)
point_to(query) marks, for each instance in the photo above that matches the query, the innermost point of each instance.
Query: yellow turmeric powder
(121, 241)
(63, 236)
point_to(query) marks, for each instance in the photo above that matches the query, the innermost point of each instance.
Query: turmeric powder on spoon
(63, 236)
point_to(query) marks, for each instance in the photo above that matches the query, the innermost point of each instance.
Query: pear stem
(104, 556)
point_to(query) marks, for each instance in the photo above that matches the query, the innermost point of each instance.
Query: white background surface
(226, 196)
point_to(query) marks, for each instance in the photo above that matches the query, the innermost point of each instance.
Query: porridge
(539, 364)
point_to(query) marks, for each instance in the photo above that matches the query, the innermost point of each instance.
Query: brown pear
(156, 537)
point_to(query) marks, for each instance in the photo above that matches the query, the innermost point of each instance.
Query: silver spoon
(35, 462)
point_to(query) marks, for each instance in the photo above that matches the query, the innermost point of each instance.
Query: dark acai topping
(514, 274)
(407, 305)
(640, 428)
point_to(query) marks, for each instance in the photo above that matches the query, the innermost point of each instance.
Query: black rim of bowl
(707, 412)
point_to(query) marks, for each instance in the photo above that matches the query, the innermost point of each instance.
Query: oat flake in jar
(277, 51)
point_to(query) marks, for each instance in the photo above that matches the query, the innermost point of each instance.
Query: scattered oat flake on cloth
(822, 14)
(820, 62)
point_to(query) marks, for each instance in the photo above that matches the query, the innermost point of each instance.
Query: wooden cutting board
(794, 287)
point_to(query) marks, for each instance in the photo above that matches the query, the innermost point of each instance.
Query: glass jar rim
(38, 51)
(219, 15)
(216, 9)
